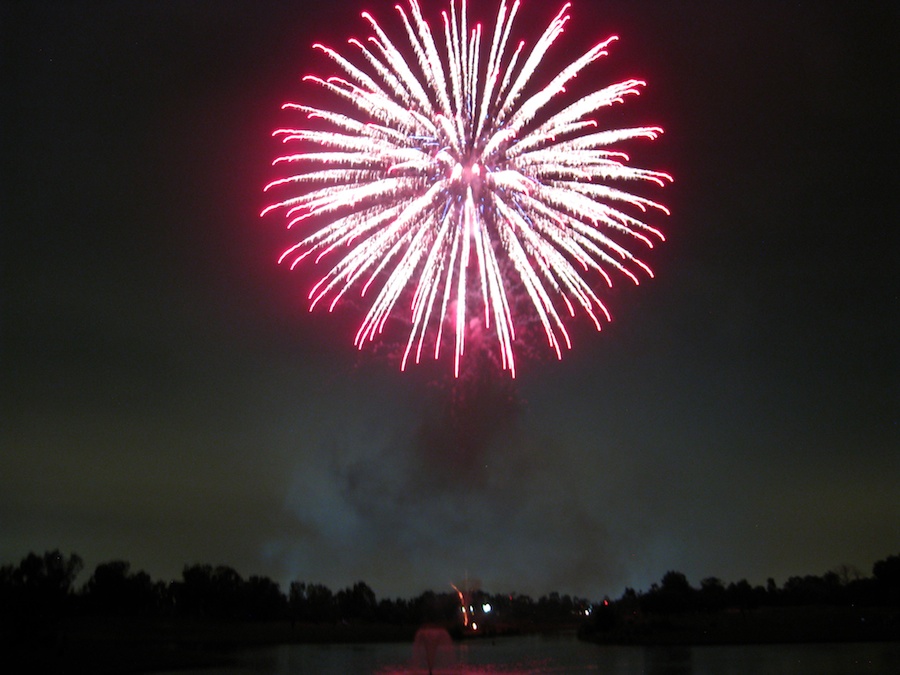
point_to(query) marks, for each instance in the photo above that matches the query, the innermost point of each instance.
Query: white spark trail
(460, 193)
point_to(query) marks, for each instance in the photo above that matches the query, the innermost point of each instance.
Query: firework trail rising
(456, 180)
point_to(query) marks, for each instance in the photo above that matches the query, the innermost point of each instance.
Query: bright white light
(486, 607)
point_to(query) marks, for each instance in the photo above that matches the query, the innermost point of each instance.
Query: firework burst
(454, 180)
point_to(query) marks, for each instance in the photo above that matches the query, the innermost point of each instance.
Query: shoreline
(103, 646)
(764, 625)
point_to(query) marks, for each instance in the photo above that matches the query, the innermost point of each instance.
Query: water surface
(537, 655)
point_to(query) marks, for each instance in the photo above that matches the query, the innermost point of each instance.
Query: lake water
(534, 655)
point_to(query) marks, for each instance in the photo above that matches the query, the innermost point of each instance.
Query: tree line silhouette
(44, 586)
(843, 586)
(41, 587)
(840, 605)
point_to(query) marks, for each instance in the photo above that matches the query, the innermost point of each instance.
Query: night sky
(167, 399)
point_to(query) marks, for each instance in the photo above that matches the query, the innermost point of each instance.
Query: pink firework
(454, 180)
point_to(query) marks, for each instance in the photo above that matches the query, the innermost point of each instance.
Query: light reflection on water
(536, 655)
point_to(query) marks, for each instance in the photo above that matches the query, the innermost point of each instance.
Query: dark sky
(167, 399)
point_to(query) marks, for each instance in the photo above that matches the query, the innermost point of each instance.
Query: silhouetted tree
(215, 593)
(431, 607)
(390, 611)
(515, 607)
(297, 601)
(111, 590)
(312, 602)
(263, 600)
(887, 578)
(357, 603)
(745, 596)
(34, 596)
(675, 582)
(41, 585)
(603, 617)
(712, 594)
(673, 595)
(555, 607)
(847, 574)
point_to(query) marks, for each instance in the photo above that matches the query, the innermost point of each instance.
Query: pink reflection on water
(433, 648)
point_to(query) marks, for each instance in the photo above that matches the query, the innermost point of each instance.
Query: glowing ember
(451, 184)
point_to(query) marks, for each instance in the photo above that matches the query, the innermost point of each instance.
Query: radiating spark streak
(450, 179)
